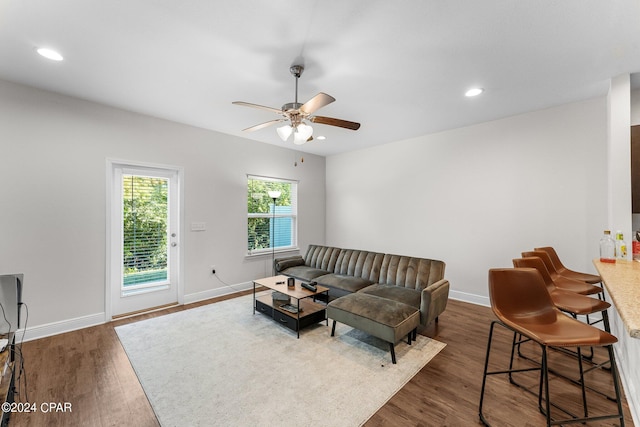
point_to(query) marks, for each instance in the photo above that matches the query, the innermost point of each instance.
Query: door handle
(174, 244)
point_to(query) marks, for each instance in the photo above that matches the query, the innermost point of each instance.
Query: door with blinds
(144, 238)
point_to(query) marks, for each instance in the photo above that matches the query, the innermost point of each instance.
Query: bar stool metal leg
(486, 372)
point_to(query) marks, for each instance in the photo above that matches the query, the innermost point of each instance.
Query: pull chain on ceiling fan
(297, 114)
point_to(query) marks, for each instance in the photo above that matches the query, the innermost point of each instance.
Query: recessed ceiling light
(50, 54)
(474, 91)
(322, 137)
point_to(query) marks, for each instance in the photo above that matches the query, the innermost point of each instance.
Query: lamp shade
(274, 194)
(302, 134)
(284, 132)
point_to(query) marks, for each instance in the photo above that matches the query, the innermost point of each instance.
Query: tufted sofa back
(408, 272)
(356, 263)
(396, 270)
(322, 257)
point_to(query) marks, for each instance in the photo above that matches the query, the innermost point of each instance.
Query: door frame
(111, 164)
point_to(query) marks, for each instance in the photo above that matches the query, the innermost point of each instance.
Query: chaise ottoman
(383, 318)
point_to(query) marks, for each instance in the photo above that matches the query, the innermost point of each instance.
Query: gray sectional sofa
(417, 282)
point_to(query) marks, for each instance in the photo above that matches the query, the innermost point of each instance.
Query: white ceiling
(398, 67)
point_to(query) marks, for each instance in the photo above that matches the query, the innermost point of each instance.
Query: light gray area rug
(221, 365)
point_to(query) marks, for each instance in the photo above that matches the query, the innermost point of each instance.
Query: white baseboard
(217, 292)
(55, 328)
(470, 298)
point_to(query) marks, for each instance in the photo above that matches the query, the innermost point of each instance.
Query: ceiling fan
(296, 114)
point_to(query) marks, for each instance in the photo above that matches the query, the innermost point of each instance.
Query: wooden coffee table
(305, 309)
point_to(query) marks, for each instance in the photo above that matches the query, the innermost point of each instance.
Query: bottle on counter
(636, 246)
(621, 246)
(607, 248)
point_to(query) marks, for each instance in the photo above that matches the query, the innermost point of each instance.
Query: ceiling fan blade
(335, 122)
(261, 107)
(317, 102)
(263, 125)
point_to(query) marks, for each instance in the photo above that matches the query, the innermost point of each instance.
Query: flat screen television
(10, 298)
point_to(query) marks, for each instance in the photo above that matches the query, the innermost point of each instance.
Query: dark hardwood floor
(90, 370)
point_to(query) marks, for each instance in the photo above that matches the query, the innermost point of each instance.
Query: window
(144, 230)
(271, 225)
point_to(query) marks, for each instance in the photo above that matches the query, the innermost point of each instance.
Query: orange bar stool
(567, 301)
(561, 282)
(564, 271)
(522, 304)
(570, 303)
(557, 282)
(571, 274)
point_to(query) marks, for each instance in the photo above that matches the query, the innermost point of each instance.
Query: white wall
(53, 152)
(619, 154)
(476, 197)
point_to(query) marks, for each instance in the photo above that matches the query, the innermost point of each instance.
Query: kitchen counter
(622, 282)
(622, 285)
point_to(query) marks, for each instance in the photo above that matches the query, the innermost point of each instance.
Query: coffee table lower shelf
(311, 313)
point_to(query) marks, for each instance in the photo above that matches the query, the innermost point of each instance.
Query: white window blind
(144, 229)
(271, 225)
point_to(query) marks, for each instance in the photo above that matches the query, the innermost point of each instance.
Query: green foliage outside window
(144, 229)
(259, 208)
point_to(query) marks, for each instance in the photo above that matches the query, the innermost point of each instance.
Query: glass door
(145, 253)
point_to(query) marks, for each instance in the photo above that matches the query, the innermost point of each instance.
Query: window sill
(269, 253)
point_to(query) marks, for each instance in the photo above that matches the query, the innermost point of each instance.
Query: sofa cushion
(349, 284)
(385, 319)
(396, 293)
(304, 273)
(284, 263)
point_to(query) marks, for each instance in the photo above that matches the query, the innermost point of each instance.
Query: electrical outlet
(213, 269)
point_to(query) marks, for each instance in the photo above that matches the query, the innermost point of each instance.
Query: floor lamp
(274, 194)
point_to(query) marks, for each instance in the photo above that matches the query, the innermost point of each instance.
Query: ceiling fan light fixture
(302, 133)
(296, 114)
(284, 132)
